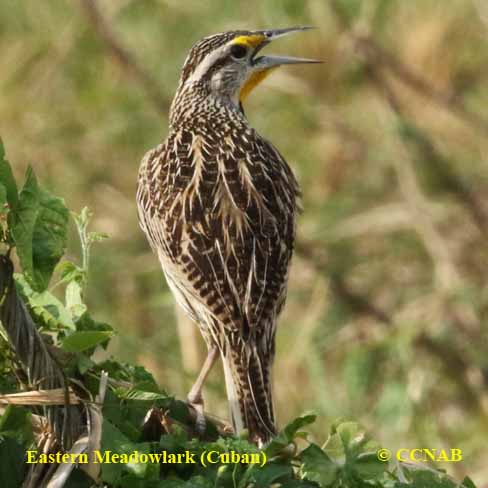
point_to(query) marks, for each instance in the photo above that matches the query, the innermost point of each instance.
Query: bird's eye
(238, 51)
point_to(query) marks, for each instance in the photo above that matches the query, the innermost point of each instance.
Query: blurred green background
(388, 303)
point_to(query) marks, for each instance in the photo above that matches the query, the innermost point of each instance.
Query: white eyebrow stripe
(205, 64)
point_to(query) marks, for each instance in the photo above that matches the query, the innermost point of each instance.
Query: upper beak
(266, 62)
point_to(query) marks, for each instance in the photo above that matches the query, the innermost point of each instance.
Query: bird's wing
(221, 218)
(258, 202)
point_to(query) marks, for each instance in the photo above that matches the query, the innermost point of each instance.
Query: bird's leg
(195, 398)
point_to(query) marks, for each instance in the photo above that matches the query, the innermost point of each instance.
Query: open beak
(267, 62)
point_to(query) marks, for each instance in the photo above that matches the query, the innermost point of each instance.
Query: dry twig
(126, 59)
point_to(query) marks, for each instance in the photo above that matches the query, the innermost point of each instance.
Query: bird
(218, 205)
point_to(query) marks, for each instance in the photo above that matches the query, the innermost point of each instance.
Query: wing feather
(221, 217)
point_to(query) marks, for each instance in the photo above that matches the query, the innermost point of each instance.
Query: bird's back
(218, 204)
(219, 207)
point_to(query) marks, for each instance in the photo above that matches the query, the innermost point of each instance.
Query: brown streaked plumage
(218, 204)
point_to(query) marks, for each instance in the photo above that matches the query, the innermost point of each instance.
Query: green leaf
(194, 482)
(298, 484)
(355, 439)
(114, 440)
(350, 433)
(317, 466)
(12, 465)
(80, 341)
(141, 395)
(86, 323)
(132, 481)
(24, 223)
(269, 474)
(39, 230)
(70, 272)
(49, 239)
(292, 429)
(3, 199)
(74, 301)
(467, 483)
(334, 447)
(79, 479)
(84, 363)
(126, 372)
(350, 448)
(288, 434)
(15, 422)
(7, 179)
(46, 307)
(419, 477)
(368, 466)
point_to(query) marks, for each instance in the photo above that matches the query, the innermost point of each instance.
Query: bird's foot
(195, 398)
(196, 401)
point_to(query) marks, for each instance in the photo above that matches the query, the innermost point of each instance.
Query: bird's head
(227, 65)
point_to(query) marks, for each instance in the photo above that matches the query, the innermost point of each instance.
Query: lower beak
(267, 62)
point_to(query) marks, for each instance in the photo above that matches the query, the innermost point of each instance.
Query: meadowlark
(218, 203)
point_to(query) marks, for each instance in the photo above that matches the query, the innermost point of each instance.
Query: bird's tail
(248, 382)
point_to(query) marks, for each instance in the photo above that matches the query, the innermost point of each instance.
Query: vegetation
(35, 224)
(387, 310)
